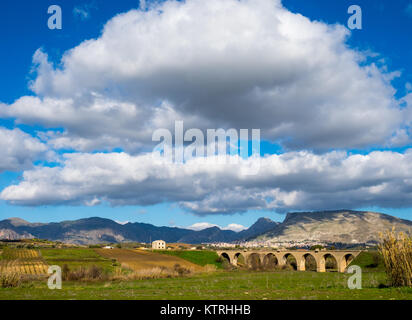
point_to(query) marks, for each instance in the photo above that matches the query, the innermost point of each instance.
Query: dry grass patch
(152, 273)
(10, 280)
(84, 273)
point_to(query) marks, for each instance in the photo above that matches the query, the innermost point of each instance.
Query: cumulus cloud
(205, 225)
(290, 181)
(83, 12)
(122, 222)
(242, 64)
(213, 64)
(18, 150)
(201, 226)
(235, 227)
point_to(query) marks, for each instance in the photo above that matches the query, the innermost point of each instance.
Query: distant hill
(262, 225)
(98, 230)
(344, 226)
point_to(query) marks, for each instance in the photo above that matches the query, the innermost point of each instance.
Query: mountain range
(99, 230)
(343, 226)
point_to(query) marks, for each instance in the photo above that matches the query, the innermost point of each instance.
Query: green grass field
(75, 258)
(201, 258)
(220, 285)
(370, 261)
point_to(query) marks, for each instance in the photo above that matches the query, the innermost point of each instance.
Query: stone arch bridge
(279, 258)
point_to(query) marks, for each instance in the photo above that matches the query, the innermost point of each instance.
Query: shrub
(181, 271)
(269, 263)
(316, 247)
(83, 274)
(310, 263)
(152, 273)
(330, 263)
(254, 262)
(226, 265)
(94, 272)
(10, 280)
(76, 275)
(396, 250)
(376, 260)
(210, 268)
(65, 272)
(287, 267)
(291, 261)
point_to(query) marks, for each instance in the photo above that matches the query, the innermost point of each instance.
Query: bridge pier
(301, 264)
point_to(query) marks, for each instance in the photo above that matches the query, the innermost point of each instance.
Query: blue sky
(23, 30)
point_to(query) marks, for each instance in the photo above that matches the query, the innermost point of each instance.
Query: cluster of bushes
(181, 271)
(316, 247)
(152, 273)
(10, 280)
(83, 273)
(396, 250)
(377, 260)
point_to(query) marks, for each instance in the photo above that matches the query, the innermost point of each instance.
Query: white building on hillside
(159, 245)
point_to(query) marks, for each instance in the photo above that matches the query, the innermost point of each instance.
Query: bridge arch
(254, 261)
(224, 255)
(308, 263)
(328, 261)
(346, 261)
(239, 259)
(290, 259)
(270, 261)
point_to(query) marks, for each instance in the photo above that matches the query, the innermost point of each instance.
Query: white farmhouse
(159, 245)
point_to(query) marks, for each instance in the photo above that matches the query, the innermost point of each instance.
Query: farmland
(22, 261)
(125, 276)
(201, 258)
(139, 260)
(76, 258)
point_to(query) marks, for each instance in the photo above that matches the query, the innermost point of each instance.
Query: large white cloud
(216, 63)
(291, 181)
(18, 150)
